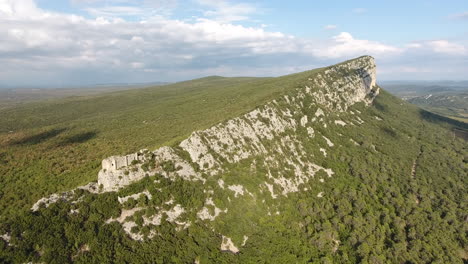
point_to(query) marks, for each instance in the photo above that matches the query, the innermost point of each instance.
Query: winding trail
(413, 171)
(415, 163)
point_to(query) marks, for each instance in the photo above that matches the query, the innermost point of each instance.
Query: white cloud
(414, 45)
(126, 8)
(446, 47)
(19, 9)
(116, 11)
(345, 45)
(439, 46)
(41, 47)
(37, 43)
(225, 11)
(330, 27)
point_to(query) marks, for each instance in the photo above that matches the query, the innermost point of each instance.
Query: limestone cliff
(333, 90)
(272, 151)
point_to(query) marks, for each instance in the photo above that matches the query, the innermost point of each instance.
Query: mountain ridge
(192, 144)
(332, 171)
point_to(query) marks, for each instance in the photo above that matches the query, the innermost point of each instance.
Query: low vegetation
(398, 192)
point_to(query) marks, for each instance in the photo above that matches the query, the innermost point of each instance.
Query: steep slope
(333, 171)
(40, 142)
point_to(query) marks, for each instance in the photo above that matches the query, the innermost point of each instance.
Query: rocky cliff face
(262, 156)
(332, 91)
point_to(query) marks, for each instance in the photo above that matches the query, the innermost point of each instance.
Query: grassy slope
(59, 144)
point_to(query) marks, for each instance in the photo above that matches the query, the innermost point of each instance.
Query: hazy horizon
(87, 42)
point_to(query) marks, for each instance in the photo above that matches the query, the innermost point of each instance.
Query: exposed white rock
(6, 237)
(354, 142)
(64, 196)
(127, 225)
(242, 137)
(53, 198)
(310, 132)
(270, 188)
(267, 131)
(183, 225)
(124, 214)
(228, 245)
(204, 213)
(336, 246)
(320, 194)
(135, 196)
(359, 120)
(340, 122)
(289, 185)
(319, 113)
(378, 118)
(329, 143)
(120, 171)
(344, 92)
(221, 183)
(91, 187)
(245, 240)
(304, 121)
(237, 189)
(329, 172)
(174, 213)
(323, 151)
(154, 220)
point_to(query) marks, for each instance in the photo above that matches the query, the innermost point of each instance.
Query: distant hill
(452, 104)
(13, 96)
(446, 98)
(322, 166)
(410, 89)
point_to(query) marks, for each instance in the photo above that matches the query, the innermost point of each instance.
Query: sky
(86, 42)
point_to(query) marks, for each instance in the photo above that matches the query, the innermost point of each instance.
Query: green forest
(398, 193)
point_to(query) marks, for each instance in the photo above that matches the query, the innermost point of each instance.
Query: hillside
(57, 145)
(317, 167)
(451, 104)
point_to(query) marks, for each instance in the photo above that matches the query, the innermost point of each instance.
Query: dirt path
(415, 164)
(413, 171)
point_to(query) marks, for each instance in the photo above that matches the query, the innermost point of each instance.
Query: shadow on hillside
(79, 138)
(38, 138)
(459, 128)
(389, 132)
(379, 106)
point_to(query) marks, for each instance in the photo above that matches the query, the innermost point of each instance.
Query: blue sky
(76, 42)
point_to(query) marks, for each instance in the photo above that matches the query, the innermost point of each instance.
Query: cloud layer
(42, 47)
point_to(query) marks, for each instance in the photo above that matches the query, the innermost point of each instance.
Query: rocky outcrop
(228, 245)
(333, 90)
(64, 196)
(271, 138)
(120, 171)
